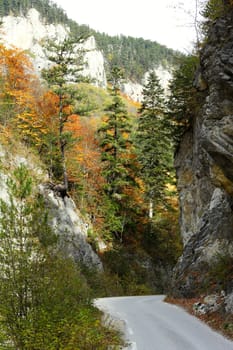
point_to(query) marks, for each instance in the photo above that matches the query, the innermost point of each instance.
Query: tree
(44, 299)
(182, 102)
(25, 235)
(17, 97)
(115, 140)
(116, 154)
(154, 142)
(66, 59)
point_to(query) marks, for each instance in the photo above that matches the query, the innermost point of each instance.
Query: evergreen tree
(115, 140)
(182, 101)
(25, 235)
(153, 142)
(66, 59)
(116, 146)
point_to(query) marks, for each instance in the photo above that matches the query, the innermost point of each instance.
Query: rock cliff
(65, 218)
(204, 165)
(72, 229)
(28, 32)
(134, 89)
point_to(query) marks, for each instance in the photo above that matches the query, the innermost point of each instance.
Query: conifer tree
(66, 59)
(25, 235)
(182, 101)
(153, 142)
(118, 168)
(115, 140)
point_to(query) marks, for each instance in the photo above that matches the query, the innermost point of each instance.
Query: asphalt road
(151, 324)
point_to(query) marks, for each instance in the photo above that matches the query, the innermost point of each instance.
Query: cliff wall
(29, 32)
(65, 219)
(204, 165)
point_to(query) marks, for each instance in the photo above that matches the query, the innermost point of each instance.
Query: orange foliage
(85, 150)
(48, 107)
(18, 92)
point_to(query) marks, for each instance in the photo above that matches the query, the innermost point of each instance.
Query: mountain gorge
(103, 216)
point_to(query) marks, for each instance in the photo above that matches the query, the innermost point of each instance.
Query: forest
(114, 157)
(95, 153)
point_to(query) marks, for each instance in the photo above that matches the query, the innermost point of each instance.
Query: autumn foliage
(102, 166)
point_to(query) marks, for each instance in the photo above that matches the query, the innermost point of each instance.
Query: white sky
(168, 22)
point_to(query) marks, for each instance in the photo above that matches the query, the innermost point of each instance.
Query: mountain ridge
(135, 55)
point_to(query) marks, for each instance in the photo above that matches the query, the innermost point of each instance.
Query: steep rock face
(204, 166)
(134, 89)
(28, 33)
(64, 215)
(71, 228)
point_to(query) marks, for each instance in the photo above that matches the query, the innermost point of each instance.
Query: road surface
(151, 324)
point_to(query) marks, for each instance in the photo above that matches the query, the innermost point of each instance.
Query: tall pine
(115, 140)
(116, 150)
(153, 142)
(66, 59)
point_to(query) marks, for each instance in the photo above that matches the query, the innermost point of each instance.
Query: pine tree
(66, 59)
(153, 142)
(25, 235)
(115, 140)
(182, 101)
(118, 165)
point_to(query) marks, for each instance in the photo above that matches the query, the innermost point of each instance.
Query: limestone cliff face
(134, 89)
(71, 228)
(65, 218)
(204, 165)
(28, 33)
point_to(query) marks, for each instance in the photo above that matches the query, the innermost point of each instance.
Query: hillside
(135, 55)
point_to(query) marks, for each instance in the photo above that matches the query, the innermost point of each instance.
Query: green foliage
(49, 10)
(214, 9)
(115, 142)
(65, 69)
(22, 245)
(153, 141)
(134, 277)
(135, 55)
(162, 239)
(44, 299)
(220, 272)
(183, 100)
(91, 100)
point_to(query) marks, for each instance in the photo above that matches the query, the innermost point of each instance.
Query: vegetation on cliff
(135, 55)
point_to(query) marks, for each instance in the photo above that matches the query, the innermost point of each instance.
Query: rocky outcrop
(29, 32)
(65, 218)
(71, 228)
(134, 89)
(204, 165)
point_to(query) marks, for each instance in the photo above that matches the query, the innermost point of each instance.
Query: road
(151, 324)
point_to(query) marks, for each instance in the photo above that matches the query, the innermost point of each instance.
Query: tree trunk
(62, 143)
(151, 209)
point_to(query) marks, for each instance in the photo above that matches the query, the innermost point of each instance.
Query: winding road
(151, 324)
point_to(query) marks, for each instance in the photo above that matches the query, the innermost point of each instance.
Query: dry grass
(219, 322)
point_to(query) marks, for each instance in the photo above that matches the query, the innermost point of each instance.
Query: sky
(169, 22)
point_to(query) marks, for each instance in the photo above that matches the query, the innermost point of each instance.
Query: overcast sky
(169, 22)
